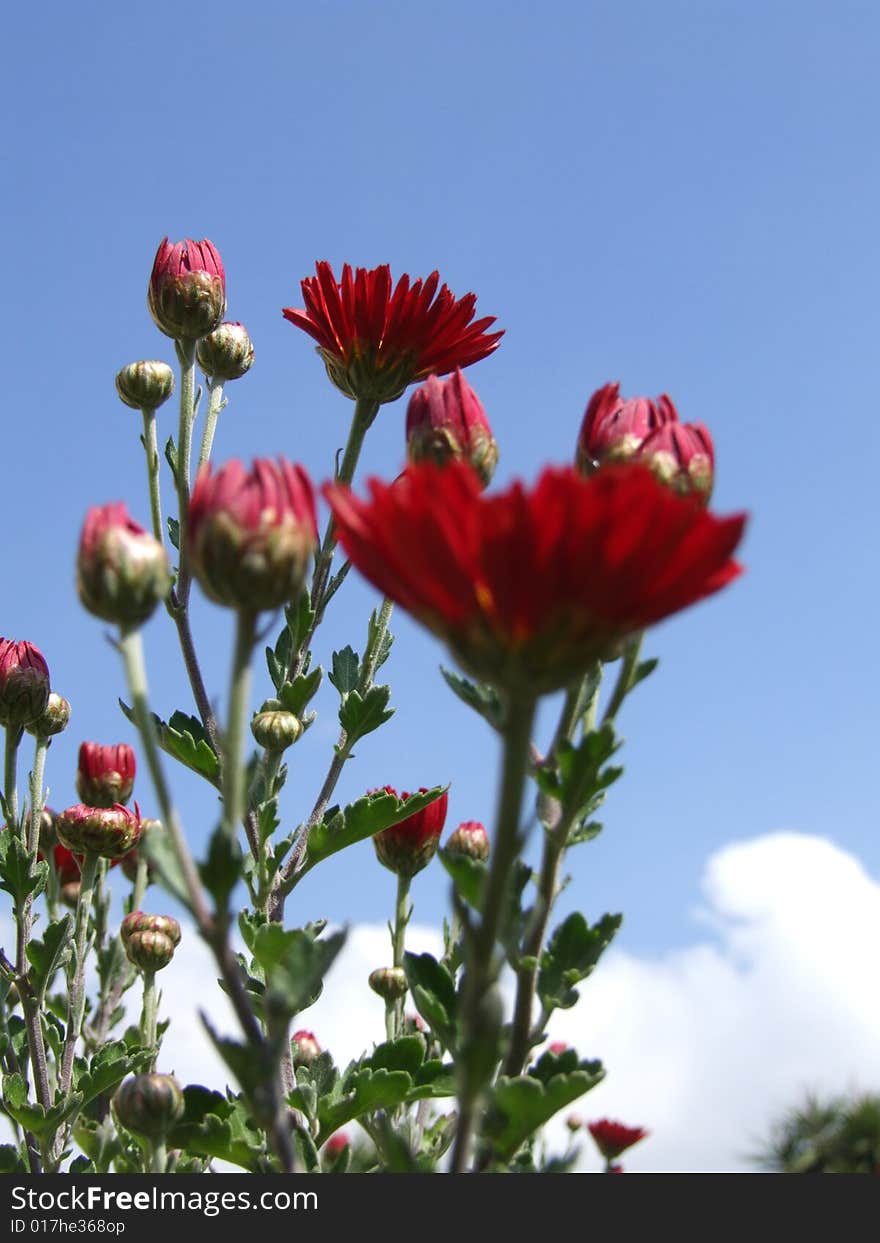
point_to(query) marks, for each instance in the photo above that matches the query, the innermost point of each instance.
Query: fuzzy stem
(24, 922)
(239, 699)
(625, 678)
(149, 1016)
(180, 615)
(480, 946)
(215, 405)
(10, 770)
(158, 1156)
(186, 353)
(394, 1009)
(151, 449)
(77, 993)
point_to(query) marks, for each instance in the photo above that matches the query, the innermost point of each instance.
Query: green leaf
(643, 670)
(39, 1121)
(433, 1080)
(300, 618)
(48, 954)
(171, 455)
(361, 714)
(364, 1092)
(304, 1097)
(433, 994)
(468, 876)
(380, 651)
(406, 1053)
(584, 831)
(19, 874)
(157, 849)
(579, 776)
(570, 956)
(482, 698)
(11, 1160)
(294, 963)
(174, 532)
(221, 870)
(521, 1106)
(183, 737)
(346, 667)
(109, 1067)
(293, 696)
(364, 818)
(219, 1127)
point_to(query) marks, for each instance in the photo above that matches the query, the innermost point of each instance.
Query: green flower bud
(149, 1104)
(275, 729)
(388, 982)
(227, 353)
(145, 385)
(53, 719)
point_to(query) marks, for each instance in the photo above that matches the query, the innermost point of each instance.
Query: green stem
(362, 419)
(186, 353)
(239, 699)
(77, 991)
(215, 405)
(158, 1156)
(480, 946)
(624, 682)
(24, 921)
(141, 880)
(149, 1016)
(10, 772)
(394, 1010)
(151, 449)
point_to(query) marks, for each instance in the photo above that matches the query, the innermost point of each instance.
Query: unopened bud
(469, 839)
(304, 1048)
(389, 983)
(227, 353)
(24, 683)
(276, 729)
(110, 832)
(53, 719)
(187, 290)
(149, 940)
(69, 894)
(149, 1104)
(105, 775)
(121, 570)
(145, 385)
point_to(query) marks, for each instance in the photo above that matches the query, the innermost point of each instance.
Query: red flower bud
(682, 456)
(187, 290)
(613, 429)
(445, 419)
(613, 1138)
(336, 1145)
(149, 940)
(110, 832)
(470, 839)
(227, 353)
(105, 775)
(145, 385)
(304, 1048)
(149, 1104)
(376, 340)
(530, 587)
(409, 846)
(251, 535)
(121, 570)
(24, 683)
(66, 864)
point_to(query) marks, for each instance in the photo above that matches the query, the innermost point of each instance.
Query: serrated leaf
(304, 1097)
(477, 695)
(294, 963)
(221, 869)
(380, 650)
(300, 618)
(433, 993)
(35, 1118)
(406, 1053)
(364, 818)
(174, 532)
(365, 1092)
(11, 1160)
(361, 714)
(109, 1067)
(571, 954)
(345, 670)
(294, 696)
(581, 773)
(48, 953)
(19, 874)
(468, 876)
(433, 1080)
(521, 1106)
(219, 1128)
(183, 737)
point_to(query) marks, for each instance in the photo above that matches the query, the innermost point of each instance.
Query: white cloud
(703, 1045)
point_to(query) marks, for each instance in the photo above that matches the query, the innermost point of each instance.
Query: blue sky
(682, 197)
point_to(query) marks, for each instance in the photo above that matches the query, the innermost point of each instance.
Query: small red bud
(24, 683)
(122, 571)
(53, 719)
(470, 839)
(105, 775)
(445, 419)
(187, 290)
(304, 1048)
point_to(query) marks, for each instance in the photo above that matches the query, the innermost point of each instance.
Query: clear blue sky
(682, 197)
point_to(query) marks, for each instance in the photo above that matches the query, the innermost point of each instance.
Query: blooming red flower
(251, 535)
(529, 587)
(613, 1138)
(105, 775)
(682, 456)
(121, 570)
(24, 682)
(445, 419)
(410, 845)
(187, 290)
(614, 428)
(376, 339)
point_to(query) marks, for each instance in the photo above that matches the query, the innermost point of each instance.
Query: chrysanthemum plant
(536, 590)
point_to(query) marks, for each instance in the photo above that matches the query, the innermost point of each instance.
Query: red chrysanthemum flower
(407, 847)
(614, 428)
(375, 338)
(186, 295)
(529, 587)
(105, 775)
(613, 1138)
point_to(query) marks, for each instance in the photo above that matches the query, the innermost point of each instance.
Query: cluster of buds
(149, 940)
(149, 1104)
(640, 429)
(24, 683)
(121, 570)
(110, 832)
(445, 419)
(105, 775)
(409, 846)
(469, 839)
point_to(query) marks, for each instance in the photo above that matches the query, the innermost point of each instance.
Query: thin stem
(624, 682)
(141, 880)
(158, 1156)
(480, 947)
(215, 405)
(186, 353)
(394, 1009)
(362, 419)
(239, 699)
(10, 772)
(77, 991)
(180, 615)
(149, 1015)
(24, 921)
(151, 449)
